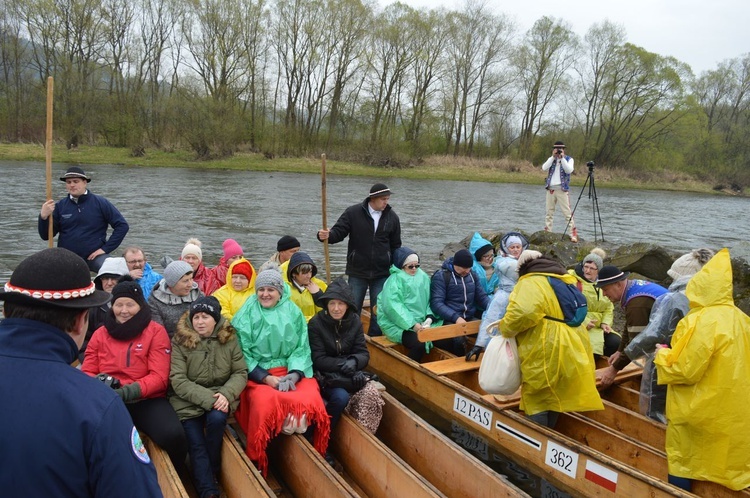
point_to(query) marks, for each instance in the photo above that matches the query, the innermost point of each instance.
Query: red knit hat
(231, 249)
(243, 268)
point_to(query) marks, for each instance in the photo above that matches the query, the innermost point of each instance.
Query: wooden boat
(616, 450)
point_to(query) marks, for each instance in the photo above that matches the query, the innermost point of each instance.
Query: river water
(166, 206)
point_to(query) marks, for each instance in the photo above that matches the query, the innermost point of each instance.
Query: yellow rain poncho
(231, 300)
(707, 371)
(557, 365)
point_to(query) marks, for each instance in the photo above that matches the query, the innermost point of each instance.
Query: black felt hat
(75, 172)
(609, 275)
(53, 277)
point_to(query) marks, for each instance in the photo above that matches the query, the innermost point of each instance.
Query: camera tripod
(595, 204)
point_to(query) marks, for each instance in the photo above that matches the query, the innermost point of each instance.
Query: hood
(111, 266)
(478, 242)
(300, 258)
(542, 265)
(234, 263)
(185, 334)
(340, 290)
(712, 285)
(400, 255)
(504, 241)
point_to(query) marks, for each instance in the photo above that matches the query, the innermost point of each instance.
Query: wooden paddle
(325, 217)
(48, 150)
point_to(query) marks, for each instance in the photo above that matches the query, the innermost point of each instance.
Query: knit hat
(513, 239)
(609, 275)
(175, 271)
(483, 250)
(411, 259)
(193, 247)
(75, 172)
(53, 277)
(129, 288)
(463, 259)
(243, 268)
(270, 276)
(231, 249)
(526, 256)
(596, 256)
(206, 304)
(287, 242)
(689, 264)
(379, 190)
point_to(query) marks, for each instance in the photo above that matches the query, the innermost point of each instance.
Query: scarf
(130, 329)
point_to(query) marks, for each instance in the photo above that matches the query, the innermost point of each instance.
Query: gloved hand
(129, 393)
(108, 380)
(475, 352)
(288, 382)
(359, 380)
(349, 367)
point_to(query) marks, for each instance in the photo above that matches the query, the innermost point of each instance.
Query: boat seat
(452, 365)
(383, 341)
(448, 331)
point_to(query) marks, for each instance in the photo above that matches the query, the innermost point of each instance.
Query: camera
(591, 165)
(108, 380)
(558, 151)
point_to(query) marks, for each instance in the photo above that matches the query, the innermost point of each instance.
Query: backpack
(572, 302)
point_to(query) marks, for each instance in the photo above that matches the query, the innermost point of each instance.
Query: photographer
(559, 167)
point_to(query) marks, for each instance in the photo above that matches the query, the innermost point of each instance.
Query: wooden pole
(325, 217)
(48, 150)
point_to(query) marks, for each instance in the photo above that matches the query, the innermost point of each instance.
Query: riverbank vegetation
(457, 94)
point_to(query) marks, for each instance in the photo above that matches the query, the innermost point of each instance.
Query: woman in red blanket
(281, 395)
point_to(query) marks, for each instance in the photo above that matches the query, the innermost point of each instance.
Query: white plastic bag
(500, 371)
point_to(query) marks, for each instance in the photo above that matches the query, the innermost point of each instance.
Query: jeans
(204, 449)
(359, 288)
(336, 400)
(96, 263)
(548, 418)
(681, 482)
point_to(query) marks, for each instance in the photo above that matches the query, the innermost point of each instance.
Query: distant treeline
(363, 83)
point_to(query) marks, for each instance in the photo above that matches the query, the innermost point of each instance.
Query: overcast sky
(701, 33)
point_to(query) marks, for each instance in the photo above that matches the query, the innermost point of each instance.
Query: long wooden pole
(48, 150)
(325, 217)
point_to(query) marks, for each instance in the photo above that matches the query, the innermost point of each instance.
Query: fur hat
(287, 242)
(379, 190)
(463, 258)
(193, 247)
(270, 276)
(206, 304)
(231, 249)
(689, 264)
(53, 277)
(175, 271)
(610, 274)
(75, 172)
(129, 288)
(596, 256)
(526, 256)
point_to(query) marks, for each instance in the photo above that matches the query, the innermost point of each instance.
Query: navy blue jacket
(460, 298)
(64, 434)
(83, 225)
(369, 252)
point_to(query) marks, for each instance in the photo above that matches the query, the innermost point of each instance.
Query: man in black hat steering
(374, 232)
(82, 219)
(65, 434)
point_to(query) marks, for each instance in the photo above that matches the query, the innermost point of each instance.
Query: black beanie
(287, 242)
(463, 259)
(483, 250)
(206, 304)
(129, 288)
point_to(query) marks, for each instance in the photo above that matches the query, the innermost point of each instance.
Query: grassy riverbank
(434, 168)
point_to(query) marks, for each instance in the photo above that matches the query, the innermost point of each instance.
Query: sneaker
(574, 235)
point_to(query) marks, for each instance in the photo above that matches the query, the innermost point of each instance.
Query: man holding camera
(559, 167)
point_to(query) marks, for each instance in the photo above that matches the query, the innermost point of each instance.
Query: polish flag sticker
(601, 475)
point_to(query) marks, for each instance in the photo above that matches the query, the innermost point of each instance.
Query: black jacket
(369, 253)
(332, 342)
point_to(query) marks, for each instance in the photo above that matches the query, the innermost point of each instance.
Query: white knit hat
(193, 247)
(526, 256)
(411, 259)
(689, 264)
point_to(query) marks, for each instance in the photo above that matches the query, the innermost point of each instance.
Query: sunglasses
(411, 267)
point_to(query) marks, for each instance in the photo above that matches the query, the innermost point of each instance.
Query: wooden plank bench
(453, 365)
(448, 331)
(383, 341)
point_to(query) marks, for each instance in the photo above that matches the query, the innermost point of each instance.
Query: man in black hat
(636, 297)
(82, 219)
(374, 232)
(559, 166)
(65, 434)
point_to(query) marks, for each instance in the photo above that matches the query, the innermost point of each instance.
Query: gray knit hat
(175, 271)
(270, 276)
(596, 256)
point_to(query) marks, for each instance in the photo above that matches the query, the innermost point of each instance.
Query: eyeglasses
(411, 267)
(136, 261)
